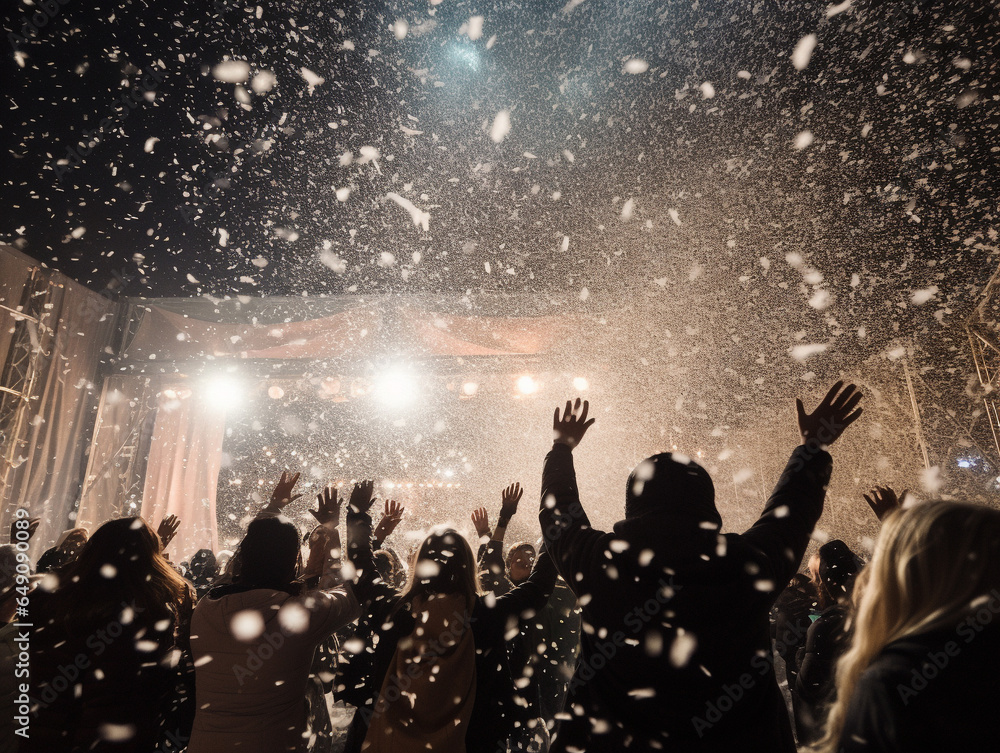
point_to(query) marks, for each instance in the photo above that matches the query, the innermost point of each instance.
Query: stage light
(396, 388)
(526, 385)
(330, 385)
(580, 384)
(223, 392)
(470, 388)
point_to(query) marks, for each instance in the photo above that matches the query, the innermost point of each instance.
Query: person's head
(269, 554)
(670, 482)
(934, 564)
(71, 542)
(390, 567)
(122, 562)
(836, 570)
(203, 565)
(520, 560)
(444, 564)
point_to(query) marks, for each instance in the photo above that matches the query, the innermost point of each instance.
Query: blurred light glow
(527, 385)
(396, 388)
(223, 392)
(580, 384)
(470, 388)
(275, 392)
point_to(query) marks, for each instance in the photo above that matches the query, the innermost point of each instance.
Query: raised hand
(509, 499)
(328, 504)
(481, 520)
(361, 496)
(569, 429)
(825, 424)
(168, 529)
(883, 501)
(281, 497)
(391, 516)
(23, 524)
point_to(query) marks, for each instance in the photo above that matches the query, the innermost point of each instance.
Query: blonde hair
(931, 566)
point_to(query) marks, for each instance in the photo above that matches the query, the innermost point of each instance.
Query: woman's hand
(883, 501)
(328, 502)
(361, 496)
(481, 520)
(509, 498)
(391, 516)
(831, 417)
(569, 429)
(168, 529)
(281, 497)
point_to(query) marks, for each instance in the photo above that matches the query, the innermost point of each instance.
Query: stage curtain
(75, 327)
(447, 335)
(182, 471)
(112, 486)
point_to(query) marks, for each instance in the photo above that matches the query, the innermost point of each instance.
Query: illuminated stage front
(208, 402)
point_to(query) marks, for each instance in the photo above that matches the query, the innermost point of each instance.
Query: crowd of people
(662, 634)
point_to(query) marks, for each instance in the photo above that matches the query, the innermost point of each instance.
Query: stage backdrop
(49, 426)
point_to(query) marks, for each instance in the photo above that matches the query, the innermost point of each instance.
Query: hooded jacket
(676, 652)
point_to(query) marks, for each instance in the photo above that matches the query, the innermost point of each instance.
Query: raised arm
(390, 519)
(368, 586)
(782, 530)
(569, 538)
(884, 501)
(508, 508)
(324, 543)
(530, 596)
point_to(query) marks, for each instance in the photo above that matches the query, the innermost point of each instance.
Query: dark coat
(825, 643)
(930, 693)
(492, 619)
(89, 684)
(543, 653)
(676, 651)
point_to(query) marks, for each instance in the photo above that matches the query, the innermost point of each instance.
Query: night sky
(897, 184)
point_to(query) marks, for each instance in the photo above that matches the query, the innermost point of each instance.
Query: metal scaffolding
(20, 373)
(983, 327)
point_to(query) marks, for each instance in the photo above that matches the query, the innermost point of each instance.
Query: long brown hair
(933, 564)
(121, 565)
(444, 564)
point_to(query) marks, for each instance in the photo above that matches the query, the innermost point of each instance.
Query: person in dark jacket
(489, 724)
(102, 649)
(203, 571)
(826, 639)
(543, 653)
(675, 651)
(790, 621)
(921, 674)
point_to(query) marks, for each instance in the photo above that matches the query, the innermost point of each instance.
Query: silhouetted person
(921, 674)
(676, 644)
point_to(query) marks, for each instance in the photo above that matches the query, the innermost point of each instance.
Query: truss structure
(983, 327)
(25, 362)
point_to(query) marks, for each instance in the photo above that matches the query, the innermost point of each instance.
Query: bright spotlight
(527, 385)
(396, 388)
(580, 384)
(223, 392)
(470, 388)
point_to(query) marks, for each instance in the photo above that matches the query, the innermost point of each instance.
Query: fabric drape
(67, 345)
(182, 470)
